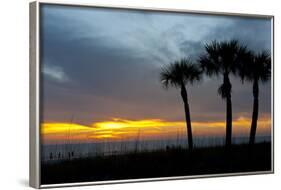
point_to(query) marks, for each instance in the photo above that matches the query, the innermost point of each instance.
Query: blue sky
(102, 63)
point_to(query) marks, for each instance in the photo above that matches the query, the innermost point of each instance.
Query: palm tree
(178, 75)
(221, 59)
(255, 68)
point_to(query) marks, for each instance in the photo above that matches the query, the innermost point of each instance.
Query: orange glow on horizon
(122, 129)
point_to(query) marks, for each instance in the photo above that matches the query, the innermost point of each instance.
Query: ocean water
(56, 152)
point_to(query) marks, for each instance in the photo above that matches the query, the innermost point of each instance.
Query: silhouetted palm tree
(178, 75)
(255, 68)
(222, 58)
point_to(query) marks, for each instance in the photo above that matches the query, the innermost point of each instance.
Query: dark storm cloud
(255, 33)
(99, 64)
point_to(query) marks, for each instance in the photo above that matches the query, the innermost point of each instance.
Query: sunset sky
(100, 74)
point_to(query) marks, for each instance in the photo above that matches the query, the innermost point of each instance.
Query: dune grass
(174, 161)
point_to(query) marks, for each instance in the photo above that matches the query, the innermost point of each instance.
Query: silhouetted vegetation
(178, 75)
(255, 68)
(173, 161)
(223, 58)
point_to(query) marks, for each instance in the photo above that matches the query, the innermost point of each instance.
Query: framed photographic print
(130, 94)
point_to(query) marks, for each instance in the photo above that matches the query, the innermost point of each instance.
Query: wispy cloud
(55, 73)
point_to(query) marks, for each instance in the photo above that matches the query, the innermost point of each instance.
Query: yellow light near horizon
(118, 123)
(122, 129)
(49, 128)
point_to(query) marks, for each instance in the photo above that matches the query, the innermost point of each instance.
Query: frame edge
(34, 170)
(34, 140)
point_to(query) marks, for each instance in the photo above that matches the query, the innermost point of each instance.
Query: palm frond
(223, 90)
(180, 73)
(244, 65)
(222, 57)
(255, 66)
(263, 61)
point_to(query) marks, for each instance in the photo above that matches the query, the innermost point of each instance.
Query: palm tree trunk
(187, 116)
(228, 111)
(255, 112)
(228, 122)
